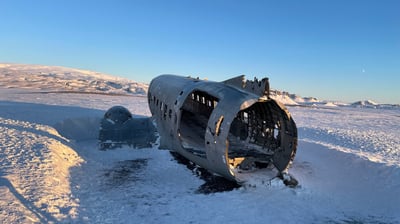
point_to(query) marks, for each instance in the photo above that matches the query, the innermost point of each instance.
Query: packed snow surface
(52, 171)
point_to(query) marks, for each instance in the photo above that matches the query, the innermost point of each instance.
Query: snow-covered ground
(51, 170)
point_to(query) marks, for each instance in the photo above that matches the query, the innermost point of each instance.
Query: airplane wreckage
(229, 128)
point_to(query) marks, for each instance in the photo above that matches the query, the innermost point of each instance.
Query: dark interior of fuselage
(254, 135)
(195, 113)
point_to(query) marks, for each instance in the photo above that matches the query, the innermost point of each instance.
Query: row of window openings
(163, 108)
(204, 100)
(195, 97)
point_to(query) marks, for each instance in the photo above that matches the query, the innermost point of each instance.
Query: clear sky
(330, 49)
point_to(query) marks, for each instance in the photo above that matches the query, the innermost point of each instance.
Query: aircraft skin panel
(221, 126)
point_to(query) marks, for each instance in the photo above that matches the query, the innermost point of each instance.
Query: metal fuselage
(222, 126)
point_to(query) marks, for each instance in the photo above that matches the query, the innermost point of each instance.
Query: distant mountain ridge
(293, 99)
(61, 79)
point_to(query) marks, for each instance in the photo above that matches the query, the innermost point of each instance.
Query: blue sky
(336, 50)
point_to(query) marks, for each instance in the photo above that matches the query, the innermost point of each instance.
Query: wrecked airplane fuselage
(223, 126)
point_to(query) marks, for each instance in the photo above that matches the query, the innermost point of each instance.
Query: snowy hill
(61, 79)
(293, 99)
(282, 97)
(365, 103)
(374, 105)
(52, 171)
